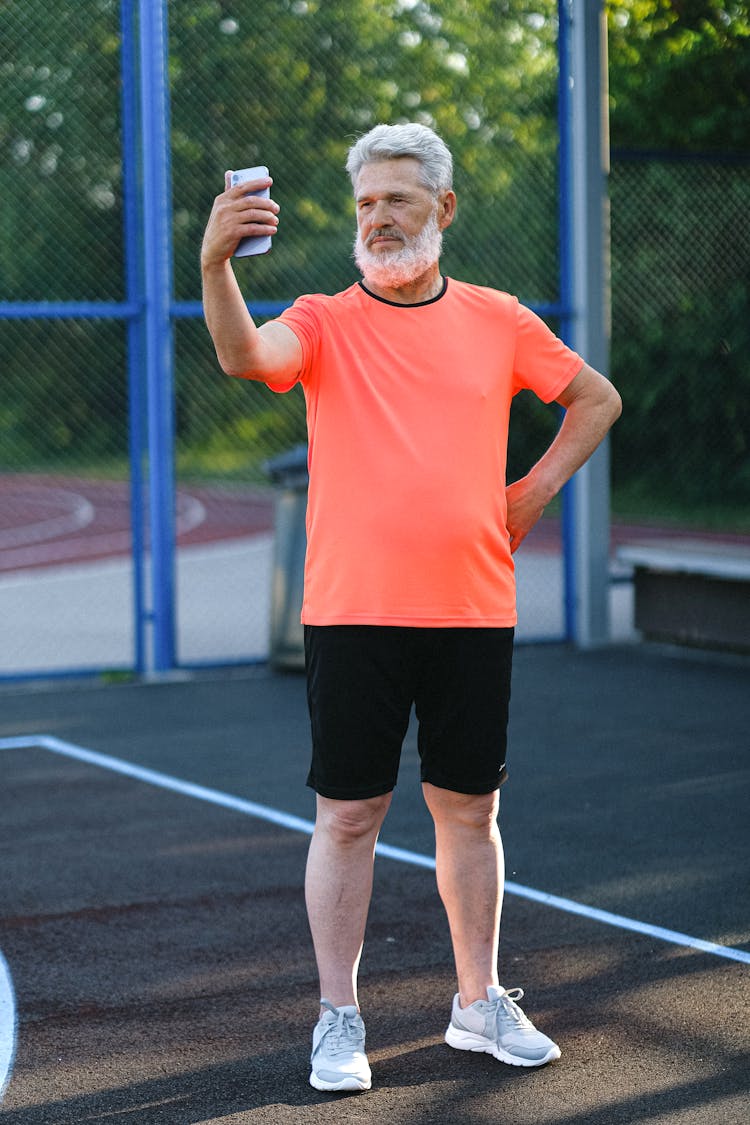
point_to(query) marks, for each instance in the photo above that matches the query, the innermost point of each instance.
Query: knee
(473, 812)
(350, 822)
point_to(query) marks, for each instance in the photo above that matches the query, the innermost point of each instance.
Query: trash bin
(289, 472)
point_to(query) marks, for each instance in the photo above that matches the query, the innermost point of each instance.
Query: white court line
(298, 824)
(8, 1024)
(8, 1019)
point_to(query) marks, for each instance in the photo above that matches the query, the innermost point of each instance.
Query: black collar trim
(400, 304)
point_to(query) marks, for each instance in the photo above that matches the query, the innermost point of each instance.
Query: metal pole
(134, 330)
(157, 244)
(590, 324)
(565, 240)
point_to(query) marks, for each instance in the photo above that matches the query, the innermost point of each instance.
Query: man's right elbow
(242, 370)
(235, 372)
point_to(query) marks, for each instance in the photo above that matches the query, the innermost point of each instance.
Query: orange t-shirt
(407, 410)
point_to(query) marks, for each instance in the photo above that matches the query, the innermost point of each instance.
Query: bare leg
(338, 886)
(470, 877)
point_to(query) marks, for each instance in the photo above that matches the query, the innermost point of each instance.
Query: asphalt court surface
(157, 941)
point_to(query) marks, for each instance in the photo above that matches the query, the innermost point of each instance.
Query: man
(409, 588)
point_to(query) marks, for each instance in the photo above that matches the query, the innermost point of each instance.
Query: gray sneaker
(338, 1060)
(498, 1027)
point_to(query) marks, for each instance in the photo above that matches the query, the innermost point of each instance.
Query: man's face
(398, 230)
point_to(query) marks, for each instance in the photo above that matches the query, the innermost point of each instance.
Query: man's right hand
(237, 214)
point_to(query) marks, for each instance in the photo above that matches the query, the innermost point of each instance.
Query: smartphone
(259, 243)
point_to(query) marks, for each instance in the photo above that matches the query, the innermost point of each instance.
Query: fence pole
(565, 241)
(157, 247)
(134, 330)
(587, 500)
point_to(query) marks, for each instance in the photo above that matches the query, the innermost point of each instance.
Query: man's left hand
(524, 510)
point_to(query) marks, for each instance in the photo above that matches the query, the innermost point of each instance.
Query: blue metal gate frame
(149, 311)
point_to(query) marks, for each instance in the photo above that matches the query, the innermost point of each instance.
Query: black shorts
(361, 683)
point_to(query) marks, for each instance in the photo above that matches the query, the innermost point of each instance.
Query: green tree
(679, 74)
(61, 217)
(680, 82)
(289, 84)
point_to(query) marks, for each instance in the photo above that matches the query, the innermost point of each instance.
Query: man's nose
(381, 215)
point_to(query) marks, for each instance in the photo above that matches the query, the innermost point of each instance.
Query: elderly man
(409, 586)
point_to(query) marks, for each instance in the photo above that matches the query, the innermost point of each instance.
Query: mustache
(384, 232)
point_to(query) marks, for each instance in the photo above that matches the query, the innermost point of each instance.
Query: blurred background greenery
(290, 83)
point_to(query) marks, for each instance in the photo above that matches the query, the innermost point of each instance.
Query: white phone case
(259, 243)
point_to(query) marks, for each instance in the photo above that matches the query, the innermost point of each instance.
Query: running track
(53, 521)
(49, 521)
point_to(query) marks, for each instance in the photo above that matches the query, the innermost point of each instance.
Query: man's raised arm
(271, 353)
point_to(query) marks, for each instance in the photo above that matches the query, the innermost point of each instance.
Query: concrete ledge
(692, 592)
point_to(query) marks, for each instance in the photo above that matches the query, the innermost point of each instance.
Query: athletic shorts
(362, 681)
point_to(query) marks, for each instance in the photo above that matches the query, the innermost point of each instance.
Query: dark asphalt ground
(159, 949)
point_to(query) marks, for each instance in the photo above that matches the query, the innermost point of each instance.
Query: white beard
(390, 269)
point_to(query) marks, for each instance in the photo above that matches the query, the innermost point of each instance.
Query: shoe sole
(348, 1084)
(465, 1041)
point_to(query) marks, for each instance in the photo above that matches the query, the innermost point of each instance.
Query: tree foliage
(679, 78)
(679, 74)
(60, 164)
(290, 83)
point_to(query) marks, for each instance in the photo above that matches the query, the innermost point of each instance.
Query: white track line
(56, 539)
(80, 514)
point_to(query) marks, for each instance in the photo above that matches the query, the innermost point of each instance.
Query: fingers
(258, 213)
(238, 212)
(247, 187)
(246, 206)
(515, 539)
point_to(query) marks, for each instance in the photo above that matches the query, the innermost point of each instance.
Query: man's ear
(447, 204)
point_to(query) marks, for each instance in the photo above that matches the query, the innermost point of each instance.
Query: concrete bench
(692, 592)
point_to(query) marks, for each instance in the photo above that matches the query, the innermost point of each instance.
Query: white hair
(390, 142)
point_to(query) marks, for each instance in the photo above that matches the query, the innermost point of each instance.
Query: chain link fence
(290, 83)
(295, 95)
(681, 339)
(63, 409)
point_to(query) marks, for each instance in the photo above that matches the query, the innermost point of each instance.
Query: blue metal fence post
(157, 247)
(134, 330)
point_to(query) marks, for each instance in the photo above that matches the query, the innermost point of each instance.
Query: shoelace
(343, 1034)
(510, 1007)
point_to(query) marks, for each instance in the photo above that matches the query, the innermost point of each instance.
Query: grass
(637, 503)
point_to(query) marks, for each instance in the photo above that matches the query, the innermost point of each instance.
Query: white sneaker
(338, 1059)
(498, 1027)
